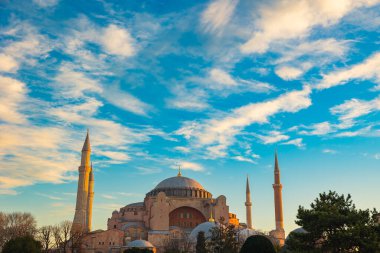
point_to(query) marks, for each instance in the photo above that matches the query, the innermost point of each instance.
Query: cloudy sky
(215, 86)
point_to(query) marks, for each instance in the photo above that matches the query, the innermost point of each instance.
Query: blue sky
(216, 86)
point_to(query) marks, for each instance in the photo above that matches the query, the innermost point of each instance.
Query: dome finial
(211, 217)
(179, 171)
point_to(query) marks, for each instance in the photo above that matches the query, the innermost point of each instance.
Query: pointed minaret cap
(247, 190)
(276, 167)
(86, 145)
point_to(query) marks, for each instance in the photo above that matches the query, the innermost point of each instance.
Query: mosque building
(178, 207)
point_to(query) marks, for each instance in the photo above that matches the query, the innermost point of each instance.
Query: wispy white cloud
(295, 19)
(272, 137)
(329, 151)
(126, 101)
(369, 69)
(148, 171)
(113, 39)
(182, 149)
(296, 142)
(218, 133)
(115, 156)
(194, 94)
(319, 49)
(117, 41)
(52, 197)
(355, 108)
(321, 128)
(74, 84)
(221, 77)
(46, 3)
(186, 165)
(288, 72)
(360, 132)
(25, 46)
(108, 196)
(12, 94)
(348, 114)
(244, 159)
(226, 84)
(8, 63)
(217, 15)
(186, 99)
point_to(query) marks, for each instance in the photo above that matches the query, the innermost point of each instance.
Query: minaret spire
(80, 217)
(248, 205)
(277, 187)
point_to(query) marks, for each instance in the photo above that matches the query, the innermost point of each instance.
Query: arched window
(186, 217)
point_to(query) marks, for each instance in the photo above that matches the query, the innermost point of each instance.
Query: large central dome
(180, 187)
(179, 182)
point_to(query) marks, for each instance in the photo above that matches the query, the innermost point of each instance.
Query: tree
(62, 236)
(333, 224)
(15, 225)
(21, 224)
(224, 238)
(201, 243)
(3, 226)
(46, 237)
(25, 244)
(257, 244)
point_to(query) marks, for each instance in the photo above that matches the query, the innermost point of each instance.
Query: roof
(179, 182)
(135, 204)
(140, 244)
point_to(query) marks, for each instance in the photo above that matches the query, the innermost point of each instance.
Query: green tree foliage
(223, 239)
(25, 244)
(137, 250)
(257, 244)
(201, 243)
(333, 224)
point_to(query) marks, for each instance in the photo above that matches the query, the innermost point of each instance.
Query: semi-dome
(140, 244)
(179, 182)
(180, 186)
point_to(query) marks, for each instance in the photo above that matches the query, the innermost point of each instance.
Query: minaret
(90, 199)
(248, 205)
(279, 232)
(80, 217)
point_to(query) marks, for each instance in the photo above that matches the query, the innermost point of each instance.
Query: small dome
(115, 212)
(300, 230)
(140, 244)
(204, 227)
(245, 233)
(179, 182)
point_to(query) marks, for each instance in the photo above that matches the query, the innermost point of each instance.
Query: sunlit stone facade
(177, 207)
(176, 204)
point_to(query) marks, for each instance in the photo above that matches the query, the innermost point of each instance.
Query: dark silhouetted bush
(257, 244)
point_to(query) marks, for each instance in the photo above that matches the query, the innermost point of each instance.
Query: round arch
(186, 217)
